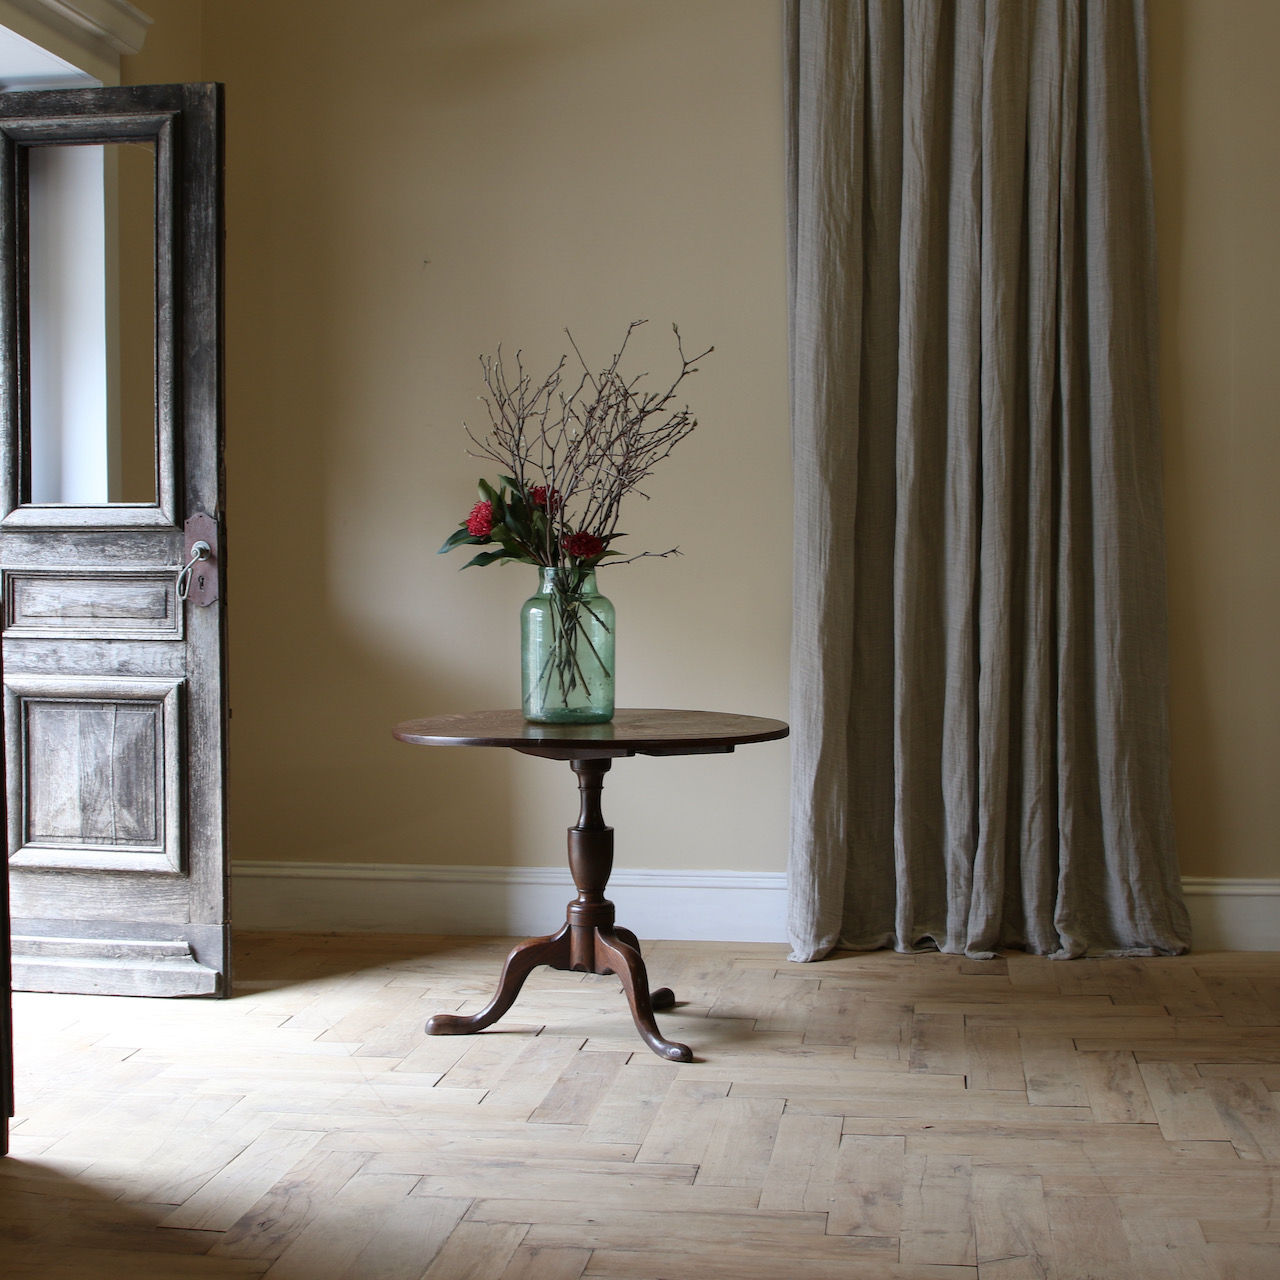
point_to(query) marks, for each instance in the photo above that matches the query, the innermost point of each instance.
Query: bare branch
(658, 555)
(591, 445)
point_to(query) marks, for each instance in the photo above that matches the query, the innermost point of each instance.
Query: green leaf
(457, 538)
(485, 557)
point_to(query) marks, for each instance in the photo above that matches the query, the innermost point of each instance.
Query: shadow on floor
(55, 1227)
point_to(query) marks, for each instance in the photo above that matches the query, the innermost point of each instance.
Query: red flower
(480, 521)
(583, 545)
(543, 497)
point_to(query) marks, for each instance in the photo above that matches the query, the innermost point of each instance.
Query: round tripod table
(590, 941)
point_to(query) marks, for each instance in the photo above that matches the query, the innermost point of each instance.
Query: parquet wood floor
(883, 1116)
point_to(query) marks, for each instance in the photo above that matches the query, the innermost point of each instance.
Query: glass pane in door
(92, 325)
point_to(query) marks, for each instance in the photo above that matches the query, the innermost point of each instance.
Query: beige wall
(1216, 133)
(171, 52)
(411, 183)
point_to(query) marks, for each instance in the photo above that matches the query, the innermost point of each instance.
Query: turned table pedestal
(590, 940)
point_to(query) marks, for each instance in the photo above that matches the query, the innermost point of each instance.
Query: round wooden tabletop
(630, 732)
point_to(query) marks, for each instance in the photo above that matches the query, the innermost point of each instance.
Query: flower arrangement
(569, 456)
(568, 453)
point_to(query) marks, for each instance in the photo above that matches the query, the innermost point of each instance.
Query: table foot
(552, 950)
(613, 953)
(664, 997)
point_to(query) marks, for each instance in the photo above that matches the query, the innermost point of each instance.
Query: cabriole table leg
(621, 958)
(553, 951)
(590, 941)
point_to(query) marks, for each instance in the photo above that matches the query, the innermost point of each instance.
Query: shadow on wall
(367, 271)
(331, 621)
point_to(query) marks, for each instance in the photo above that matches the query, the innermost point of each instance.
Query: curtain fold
(979, 671)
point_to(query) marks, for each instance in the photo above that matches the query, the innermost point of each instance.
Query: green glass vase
(566, 639)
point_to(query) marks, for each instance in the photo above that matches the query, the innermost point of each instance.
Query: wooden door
(6, 995)
(110, 475)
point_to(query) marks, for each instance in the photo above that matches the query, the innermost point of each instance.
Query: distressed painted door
(111, 474)
(6, 998)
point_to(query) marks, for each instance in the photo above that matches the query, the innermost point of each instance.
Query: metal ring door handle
(199, 551)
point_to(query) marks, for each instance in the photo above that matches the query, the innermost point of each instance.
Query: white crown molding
(114, 23)
(89, 34)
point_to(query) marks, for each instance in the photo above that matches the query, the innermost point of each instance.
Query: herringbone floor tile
(882, 1116)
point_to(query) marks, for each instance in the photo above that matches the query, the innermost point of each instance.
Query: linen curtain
(979, 676)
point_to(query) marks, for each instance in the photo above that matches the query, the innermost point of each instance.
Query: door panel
(102, 605)
(96, 777)
(114, 697)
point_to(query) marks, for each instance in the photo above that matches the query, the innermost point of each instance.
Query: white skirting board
(1233, 915)
(714, 906)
